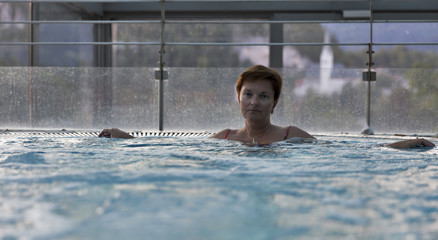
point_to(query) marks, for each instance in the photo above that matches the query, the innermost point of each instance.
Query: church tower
(325, 65)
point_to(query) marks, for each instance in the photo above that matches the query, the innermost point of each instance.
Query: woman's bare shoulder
(298, 132)
(220, 134)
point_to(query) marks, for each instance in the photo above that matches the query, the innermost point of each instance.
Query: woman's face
(257, 100)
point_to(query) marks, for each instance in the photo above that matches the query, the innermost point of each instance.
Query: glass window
(69, 54)
(13, 55)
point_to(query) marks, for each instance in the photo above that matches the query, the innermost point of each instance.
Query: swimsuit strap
(287, 133)
(226, 135)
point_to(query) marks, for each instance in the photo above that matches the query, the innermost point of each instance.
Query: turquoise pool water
(340, 187)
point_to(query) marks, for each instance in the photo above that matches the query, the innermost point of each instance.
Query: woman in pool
(258, 90)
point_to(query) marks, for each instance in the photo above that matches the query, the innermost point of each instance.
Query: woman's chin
(254, 118)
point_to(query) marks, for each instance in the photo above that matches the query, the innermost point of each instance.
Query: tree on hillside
(396, 57)
(424, 86)
(13, 55)
(176, 56)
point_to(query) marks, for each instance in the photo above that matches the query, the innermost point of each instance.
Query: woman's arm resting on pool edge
(114, 133)
(412, 143)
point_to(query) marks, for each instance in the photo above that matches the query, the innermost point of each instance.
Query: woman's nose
(254, 101)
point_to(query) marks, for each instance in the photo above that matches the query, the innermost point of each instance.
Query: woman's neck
(256, 130)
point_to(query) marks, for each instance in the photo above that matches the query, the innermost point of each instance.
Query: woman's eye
(264, 96)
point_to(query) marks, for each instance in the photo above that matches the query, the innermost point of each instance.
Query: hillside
(386, 33)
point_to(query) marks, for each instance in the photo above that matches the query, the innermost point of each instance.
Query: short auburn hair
(260, 72)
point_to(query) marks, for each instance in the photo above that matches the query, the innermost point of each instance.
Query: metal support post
(103, 95)
(276, 52)
(369, 76)
(162, 74)
(32, 33)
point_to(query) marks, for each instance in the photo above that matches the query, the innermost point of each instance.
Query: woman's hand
(114, 133)
(412, 143)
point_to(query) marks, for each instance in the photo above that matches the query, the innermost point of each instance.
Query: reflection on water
(200, 188)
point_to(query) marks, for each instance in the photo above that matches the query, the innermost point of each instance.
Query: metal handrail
(209, 21)
(79, 21)
(75, 1)
(219, 44)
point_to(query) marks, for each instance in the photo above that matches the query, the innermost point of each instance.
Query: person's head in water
(258, 90)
